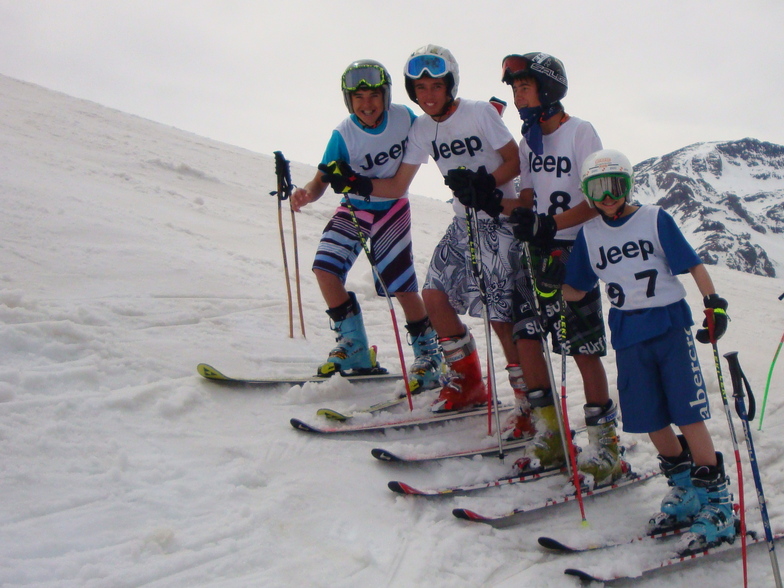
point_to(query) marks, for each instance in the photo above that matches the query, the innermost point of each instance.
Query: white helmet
(435, 62)
(611, 164)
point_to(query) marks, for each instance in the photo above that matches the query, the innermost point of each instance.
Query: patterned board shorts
(388, 234)
(585, 332)
(451, 270)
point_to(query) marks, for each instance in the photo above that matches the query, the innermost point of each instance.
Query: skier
(638, 251)
(553, 146)
(478, 157)
(372, 138)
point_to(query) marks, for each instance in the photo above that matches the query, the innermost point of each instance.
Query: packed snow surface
(131, 251)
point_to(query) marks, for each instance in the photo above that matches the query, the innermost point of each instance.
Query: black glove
(475, 189)
(552, 274)
(720, 319)
(343, 179)
(539, 229)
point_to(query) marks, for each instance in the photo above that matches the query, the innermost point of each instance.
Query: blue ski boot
(681, 504)
(352, 353)
(716, 522)
(425, 373)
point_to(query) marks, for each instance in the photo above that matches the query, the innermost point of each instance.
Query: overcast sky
(652, 76)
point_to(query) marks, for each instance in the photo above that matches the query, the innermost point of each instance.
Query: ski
(668, 561)
(378, 423)
(559, 547)
(514, 516)
(214, 375)
(486, 449)
(488, 446)
(528, 476)
(334, 415)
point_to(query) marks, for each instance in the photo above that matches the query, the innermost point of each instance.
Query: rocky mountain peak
(728, 197)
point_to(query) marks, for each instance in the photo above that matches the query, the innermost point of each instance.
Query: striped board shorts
(388, 235)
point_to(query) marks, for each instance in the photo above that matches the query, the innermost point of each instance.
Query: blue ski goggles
(367, 76)
(434, 66)
(616, 186)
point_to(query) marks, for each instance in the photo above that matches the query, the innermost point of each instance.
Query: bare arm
(396, 186)
(575, 216)
(702, 279)
(508, 171)
(527, 198)
(569, 218)
(572, 294)
(312, 191)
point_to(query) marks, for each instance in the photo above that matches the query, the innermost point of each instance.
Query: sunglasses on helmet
(368, 76)
(616, 186)
(434, 65)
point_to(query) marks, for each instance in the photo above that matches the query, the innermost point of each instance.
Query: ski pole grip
(739, 381)
(711, 325)
(735, 372)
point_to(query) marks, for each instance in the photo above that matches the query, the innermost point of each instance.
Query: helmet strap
(551, 110)
(447, 111)
(618, 213)
(375, 125)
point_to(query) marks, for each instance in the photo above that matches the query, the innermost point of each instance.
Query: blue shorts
(388, 234)
(660, 383)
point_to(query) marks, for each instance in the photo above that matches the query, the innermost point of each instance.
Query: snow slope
(129, 252)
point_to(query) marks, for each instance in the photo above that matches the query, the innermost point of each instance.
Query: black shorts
(585, 332)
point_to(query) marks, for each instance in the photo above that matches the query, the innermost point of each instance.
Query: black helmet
(549, 73)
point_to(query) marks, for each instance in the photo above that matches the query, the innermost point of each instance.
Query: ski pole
(281, 195)
(565, 412)
(770, 375)
(566, 437)
(713, 341)
(475, 255)
(738, 382)
(283, 192)
(377, 274)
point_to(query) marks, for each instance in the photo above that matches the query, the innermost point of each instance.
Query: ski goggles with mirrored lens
(434, 65)
(369, 76)
(616, 186)
(513, 66)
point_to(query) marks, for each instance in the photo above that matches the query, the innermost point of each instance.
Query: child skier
(372, 138)
(553, 146)
(638, 251)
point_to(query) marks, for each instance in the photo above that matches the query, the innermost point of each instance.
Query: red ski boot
(465, 387)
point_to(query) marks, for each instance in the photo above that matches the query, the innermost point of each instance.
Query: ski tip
(584, 576)
(303, 426)
(402, 488)
(554, 544)
(384, 455)
(209, 372)
(332, 415)
(469, 515)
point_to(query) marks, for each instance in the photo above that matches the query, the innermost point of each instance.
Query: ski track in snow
(132, 251)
